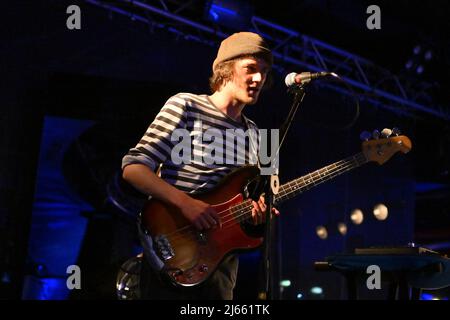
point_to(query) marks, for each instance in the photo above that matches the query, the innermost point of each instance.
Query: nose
(257, 77)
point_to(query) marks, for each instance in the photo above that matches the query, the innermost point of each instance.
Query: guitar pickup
(163, 248)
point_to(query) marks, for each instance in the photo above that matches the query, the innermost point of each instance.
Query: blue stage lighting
(229, 13)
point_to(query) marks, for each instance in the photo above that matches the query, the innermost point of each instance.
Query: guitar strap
(253, 142)
(258, 187)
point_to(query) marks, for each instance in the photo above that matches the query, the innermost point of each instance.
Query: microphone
(305, 77)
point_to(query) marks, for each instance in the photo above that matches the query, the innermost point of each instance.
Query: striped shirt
(207, 145)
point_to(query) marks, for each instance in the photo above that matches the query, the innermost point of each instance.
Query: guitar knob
(386, 133)
(203, 268)
(175, 274)
(396, 131)
(376, 134)
(365, 136)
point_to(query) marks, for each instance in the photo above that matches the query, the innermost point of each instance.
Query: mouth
(253, 91)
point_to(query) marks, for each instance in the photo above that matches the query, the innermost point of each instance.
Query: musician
(240, 71)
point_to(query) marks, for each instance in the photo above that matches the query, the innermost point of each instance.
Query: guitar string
(243, 212)
(295, 181)
(237, 217)
(225, 225)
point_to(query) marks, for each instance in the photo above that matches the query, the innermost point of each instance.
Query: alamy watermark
(214, 146)
(74, 20)
(74, 279)
(374, 280)
(374, 20)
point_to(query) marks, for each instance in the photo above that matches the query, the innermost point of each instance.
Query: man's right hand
(201, 214)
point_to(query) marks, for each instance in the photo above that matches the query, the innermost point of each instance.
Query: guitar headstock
(381, 150)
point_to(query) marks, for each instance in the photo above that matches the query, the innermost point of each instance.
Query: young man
(239, 73)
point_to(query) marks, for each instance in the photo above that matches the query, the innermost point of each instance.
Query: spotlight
(6, 278)
(316, 290)
(285, 283)
(299, 296)
(428, 296)
(417, 50)
(409, 64)
(380, 211)
(322, 232)
(428, 55)
(229, 13)
(342, 228)
(357, 216)
(420, 69)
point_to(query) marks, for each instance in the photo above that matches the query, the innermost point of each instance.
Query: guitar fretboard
(306, 182)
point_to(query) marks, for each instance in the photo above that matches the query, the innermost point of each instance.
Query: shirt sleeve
(156, 145)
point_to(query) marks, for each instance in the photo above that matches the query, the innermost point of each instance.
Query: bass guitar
(190, 256)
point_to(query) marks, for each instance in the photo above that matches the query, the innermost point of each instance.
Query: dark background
(74, 101)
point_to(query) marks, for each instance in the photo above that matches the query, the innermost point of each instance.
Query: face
(249, 77)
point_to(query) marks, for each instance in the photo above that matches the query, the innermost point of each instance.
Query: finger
(259, 219)
(198, 224)
(275, 211)
(204, 223)
(216, 217)
(262, 206)
(263, 215)
(256, 206)
(255, 216)
(258, 216)
(210, 219)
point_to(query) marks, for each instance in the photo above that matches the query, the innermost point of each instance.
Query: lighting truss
(292, 51)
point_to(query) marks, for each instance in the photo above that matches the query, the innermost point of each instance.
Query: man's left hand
(259, 211)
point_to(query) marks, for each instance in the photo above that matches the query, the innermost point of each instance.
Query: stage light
(418, 61)
(420, 69)
(342, 228)
(285, 283)
(229, 13)
(380, 211)
(357, 216)
(409, 64)
(299, 296)
(6, 278)
(322, 232)
(316, 290)
(428, 296)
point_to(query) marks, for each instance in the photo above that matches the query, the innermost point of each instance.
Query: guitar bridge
(163, 247)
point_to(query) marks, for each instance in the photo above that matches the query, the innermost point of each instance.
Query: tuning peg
(386, 133)
(365, 136)
(396, 131)
(376, 134)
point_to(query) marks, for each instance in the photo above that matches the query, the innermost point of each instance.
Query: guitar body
(191, 256)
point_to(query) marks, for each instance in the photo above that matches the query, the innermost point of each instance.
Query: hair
(224, 72)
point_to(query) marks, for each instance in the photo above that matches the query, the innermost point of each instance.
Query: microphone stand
(271, 184)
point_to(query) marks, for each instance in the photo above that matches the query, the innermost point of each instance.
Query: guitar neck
(309, 181)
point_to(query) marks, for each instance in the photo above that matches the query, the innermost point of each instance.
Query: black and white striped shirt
(217, 143)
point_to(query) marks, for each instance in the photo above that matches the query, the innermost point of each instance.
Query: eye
(250, 68)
